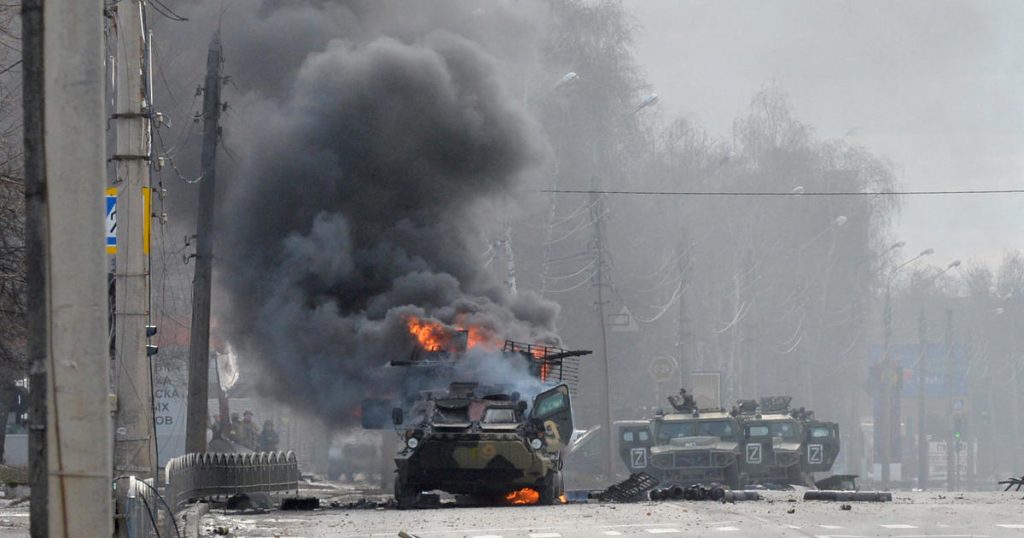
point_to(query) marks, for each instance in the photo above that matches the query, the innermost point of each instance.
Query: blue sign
(111, 221)
(936, 363)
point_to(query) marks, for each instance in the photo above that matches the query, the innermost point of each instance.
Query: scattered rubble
(300, 503)
(846, 496)
(632, 489)
(1013, 482)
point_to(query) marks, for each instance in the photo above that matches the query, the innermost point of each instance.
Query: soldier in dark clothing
(249, 433)
(268, 437)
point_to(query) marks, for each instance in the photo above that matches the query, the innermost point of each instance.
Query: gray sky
(932, 85)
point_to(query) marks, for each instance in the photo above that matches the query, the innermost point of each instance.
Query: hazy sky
(935, 86)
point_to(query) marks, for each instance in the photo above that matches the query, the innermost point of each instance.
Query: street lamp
(884, 427)
(922, 444)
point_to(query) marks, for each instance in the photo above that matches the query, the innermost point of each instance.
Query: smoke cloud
(359, 202)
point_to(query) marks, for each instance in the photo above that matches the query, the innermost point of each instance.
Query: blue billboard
(936, 363)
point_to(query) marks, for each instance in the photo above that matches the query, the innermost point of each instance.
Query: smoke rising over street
(358, 204)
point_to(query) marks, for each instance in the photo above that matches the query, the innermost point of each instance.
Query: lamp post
(887, 383)
(922, 373)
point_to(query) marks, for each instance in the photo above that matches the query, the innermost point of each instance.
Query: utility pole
(685, 366)
(65, 155)
(952, 441)
(199, 343)
(35, 259)
(597, 213)
(510, 262)
(885, 428)
(922, 373)
(135, 437)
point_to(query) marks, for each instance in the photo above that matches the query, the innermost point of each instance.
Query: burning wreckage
(488, 441)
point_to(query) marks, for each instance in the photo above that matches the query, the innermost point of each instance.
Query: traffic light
(958, 427)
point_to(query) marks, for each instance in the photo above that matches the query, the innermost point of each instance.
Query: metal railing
(139, 507)
(204, 475)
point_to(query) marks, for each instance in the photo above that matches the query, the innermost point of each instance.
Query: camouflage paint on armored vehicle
(690, 446)
(484, 442)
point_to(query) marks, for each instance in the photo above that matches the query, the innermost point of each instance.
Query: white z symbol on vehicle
(638, 458)
(815, 454)
(754, 453)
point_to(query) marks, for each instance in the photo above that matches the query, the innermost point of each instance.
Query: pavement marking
(830, 527)
(661, 531)
(546, 535)
(1010, 525)
(727, 529)
(792, 527)
(611, 533)
(488, 536)
(898, 526)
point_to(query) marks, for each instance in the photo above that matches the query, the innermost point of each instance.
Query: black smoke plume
(360, 201)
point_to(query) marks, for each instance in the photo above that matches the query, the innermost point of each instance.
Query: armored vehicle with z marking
(784, 446)
(763, 443)
(484, 442)
(689, 446)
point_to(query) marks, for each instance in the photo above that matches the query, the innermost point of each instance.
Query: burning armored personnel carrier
(486, 441)
(754, 443)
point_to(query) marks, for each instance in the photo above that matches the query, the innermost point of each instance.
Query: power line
(793, 194)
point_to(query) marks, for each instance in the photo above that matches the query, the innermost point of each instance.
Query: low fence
(205, 475)
(141, 509)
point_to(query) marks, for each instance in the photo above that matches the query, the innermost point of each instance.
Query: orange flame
(563, 499)
(436, 336)
(432, 335)
(522, 496)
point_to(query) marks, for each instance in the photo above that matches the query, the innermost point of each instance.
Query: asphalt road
(781, 514)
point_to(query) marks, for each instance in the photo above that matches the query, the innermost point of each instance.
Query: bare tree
(12, 216)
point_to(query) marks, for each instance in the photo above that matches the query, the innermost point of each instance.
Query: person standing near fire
(249, 432)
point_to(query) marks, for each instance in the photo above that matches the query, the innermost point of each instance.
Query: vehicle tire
(794, 476)
(732, 476)
(405, 495)
(552, 489)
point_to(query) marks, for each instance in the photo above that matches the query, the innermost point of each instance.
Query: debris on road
(632, 489)
(248, 501)
(300, 503)
(846, 496)
(1011, 482)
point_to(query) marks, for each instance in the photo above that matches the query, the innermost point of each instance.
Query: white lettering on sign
(638, 458)
(754, 453)
(815, 454)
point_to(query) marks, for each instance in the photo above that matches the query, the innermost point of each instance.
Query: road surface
(911, 515)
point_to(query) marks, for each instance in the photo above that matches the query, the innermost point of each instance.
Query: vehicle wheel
(405, 495)
(794, 476)
(732, 476)
(552, 488)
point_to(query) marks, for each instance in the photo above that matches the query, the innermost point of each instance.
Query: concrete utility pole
(65, 157)
(922, 373)
(597, 217)
(134, 435)
(884, 427)
(35, 259)
(682, 333)
(952, 441)
(199, 343)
